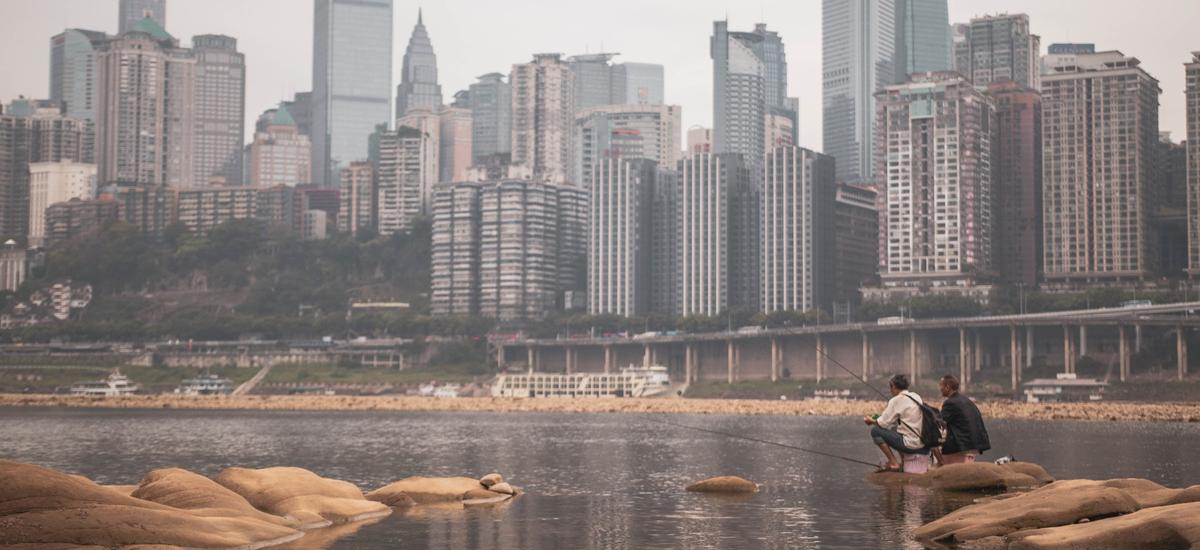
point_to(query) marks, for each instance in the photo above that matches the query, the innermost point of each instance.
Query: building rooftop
(152, 28)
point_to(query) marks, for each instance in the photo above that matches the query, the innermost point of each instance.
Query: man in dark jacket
(966, 437)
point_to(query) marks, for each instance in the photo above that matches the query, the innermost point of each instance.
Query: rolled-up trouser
(893, 439)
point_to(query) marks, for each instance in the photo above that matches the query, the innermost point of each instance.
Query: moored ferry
(630, 382)
(116, 384)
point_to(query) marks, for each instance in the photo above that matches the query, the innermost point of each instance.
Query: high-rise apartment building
(1017, 183)
(1099, 132)
(491, 117)
(54, 182)
(1168, 217)
(31, 132)
(1002, 48)
(508, 249)
(629, 263)
(600, 82)
(625, 131)
(923, 41)
(739, 93)
(67, 220)
(717, 217)
(797, 230)
(419, 86)
(220, 109)
(131, 12)
(1060, 54)
(399, 179)
(858, 44)
(429, 128)
(14, 266)
(73, 54)
(203, 208)
(357, 209)
(145, 110)
(455, 250)
(280, 154)
(699, 141)
(935, 163)
(1192, 94)
(352, 81)
(543, 117)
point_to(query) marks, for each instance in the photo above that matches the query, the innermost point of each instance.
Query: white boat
(116, 384)
(630, 382)
(208, 384)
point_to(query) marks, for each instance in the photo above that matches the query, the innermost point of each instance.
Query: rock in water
(1173, 526)
(724, 484)
(425, 490)
(311, 500)
(43, 507)
(503, 488)
(1058, 504)
(491, 479)
(983, 476)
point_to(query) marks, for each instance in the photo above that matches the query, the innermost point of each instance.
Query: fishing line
(763, 441)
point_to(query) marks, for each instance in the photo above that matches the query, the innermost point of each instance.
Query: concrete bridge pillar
(1181, 351)
(1137, 338)
(1029, 346)
(820, 359)
(964, 354)
(866, 355)
(1123, 358)
(608, 359)
(1068, 350)
(978, 351)
(912, 356)
(775, 353)
(1083, 347)
(500, 364)
(532, 359)
(570, 359)
(730, 351)
(1015, 357)
(688, 366)
(646, 356)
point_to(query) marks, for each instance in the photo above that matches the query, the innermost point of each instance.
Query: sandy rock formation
(39, 506)
(978, 476)
(723, 484)
(298, 494)
(1058, 504)
(1173, 526)
(201, 496)
(503, 488)
(425, 490)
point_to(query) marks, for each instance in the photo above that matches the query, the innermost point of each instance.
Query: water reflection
(593, 481)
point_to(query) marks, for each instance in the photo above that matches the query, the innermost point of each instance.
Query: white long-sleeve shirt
(904, 416)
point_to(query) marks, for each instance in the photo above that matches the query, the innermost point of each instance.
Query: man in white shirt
(898, 427)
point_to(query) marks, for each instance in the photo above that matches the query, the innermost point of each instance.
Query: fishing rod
(763, 441)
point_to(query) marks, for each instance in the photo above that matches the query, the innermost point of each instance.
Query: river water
(593, 481)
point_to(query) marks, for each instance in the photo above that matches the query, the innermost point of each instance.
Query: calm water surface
(593, 481)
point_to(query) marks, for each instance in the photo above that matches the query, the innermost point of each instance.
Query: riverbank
(1103, 411)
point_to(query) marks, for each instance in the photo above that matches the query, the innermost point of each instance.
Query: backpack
(931, 418)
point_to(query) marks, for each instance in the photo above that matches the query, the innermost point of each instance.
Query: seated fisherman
(966, 436)
(898, 427)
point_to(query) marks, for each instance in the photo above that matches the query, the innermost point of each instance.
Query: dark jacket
(964, 426)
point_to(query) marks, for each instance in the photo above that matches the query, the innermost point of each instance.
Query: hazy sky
(473, 37)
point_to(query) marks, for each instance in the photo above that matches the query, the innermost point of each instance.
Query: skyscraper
(857, 60)
(419, 78)
(619, 236)
(280, 154)
(1192, 72)
(797, 230)
(1017, 183)
(855, 241)
(491, 117)
(455, 251)
(717, 223)
(1099, 135)
(54, 182)
(357, 210)
(145, 109)
(625, 131)
(428, 125)
(454, 147)
(220, 110)
(352, 80)
(923, 41)
(132, 11)
(599, 82)
(935, 168)
(543, 117)
(1002, 48)
(739, 93)
(73, 55)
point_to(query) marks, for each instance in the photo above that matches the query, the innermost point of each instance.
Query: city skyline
(279, 62)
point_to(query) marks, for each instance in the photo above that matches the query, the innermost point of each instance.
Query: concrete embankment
(1104, 411)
